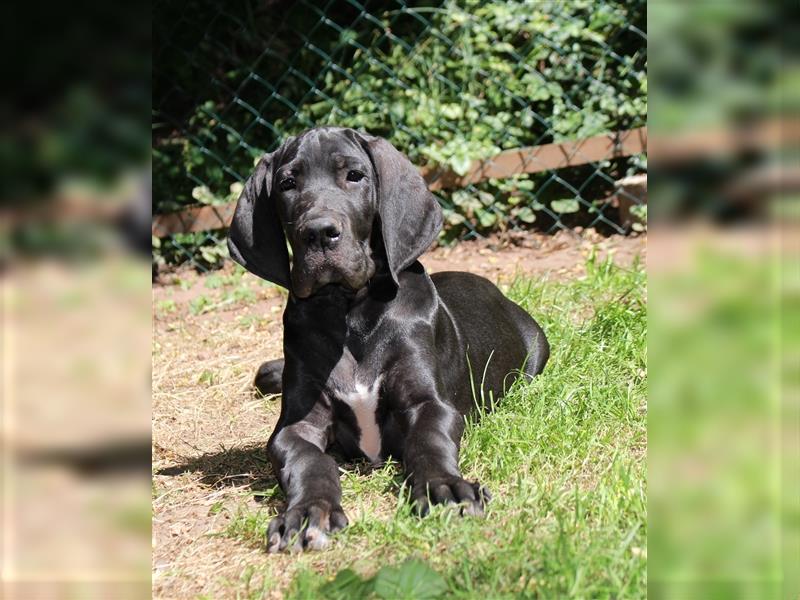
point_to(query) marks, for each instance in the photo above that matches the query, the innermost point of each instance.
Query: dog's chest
(359, 389)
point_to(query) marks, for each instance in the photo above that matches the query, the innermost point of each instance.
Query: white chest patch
(364, 402)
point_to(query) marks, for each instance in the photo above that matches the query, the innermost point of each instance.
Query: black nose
(321, 232)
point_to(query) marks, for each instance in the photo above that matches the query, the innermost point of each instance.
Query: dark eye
(287, 183)
(355, 175)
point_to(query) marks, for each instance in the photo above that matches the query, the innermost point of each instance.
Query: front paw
(305, 526)
(451, 490)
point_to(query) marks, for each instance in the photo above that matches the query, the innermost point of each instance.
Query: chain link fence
(459, 86)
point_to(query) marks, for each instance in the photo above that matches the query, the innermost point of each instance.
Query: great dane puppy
(380, 359)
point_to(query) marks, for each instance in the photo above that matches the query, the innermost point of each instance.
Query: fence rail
(547, 157)
(506, 164)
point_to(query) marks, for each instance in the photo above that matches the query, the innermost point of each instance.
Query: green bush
(445, 82)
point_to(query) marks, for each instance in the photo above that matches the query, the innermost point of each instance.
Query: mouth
(308, 280)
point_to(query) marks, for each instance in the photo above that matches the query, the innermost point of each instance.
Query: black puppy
(380, 359)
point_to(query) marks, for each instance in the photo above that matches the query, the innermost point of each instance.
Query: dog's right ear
(255, 239)
(410, 215)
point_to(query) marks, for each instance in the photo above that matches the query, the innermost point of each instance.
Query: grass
(564, 457)
(724, 446)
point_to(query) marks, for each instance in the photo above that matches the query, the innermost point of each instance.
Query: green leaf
(461, 163)
(347, 585)
(209, 254)
(565, 206)
(524, 184)
(347, 36)
(412, 580)
(202, 194)
(454, 218)
(486, 218)
(639, 211)
(526, 215)
(486, 198)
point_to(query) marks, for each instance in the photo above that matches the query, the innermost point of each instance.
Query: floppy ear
(410, 215)
(255, 238)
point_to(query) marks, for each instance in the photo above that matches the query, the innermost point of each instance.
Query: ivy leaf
(486, 218)
(454, 218)
(526, 215)
(461, 164)
(565, 206)
(486, 198)
(202, 194)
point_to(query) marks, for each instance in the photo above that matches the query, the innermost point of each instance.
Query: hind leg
(269, 377)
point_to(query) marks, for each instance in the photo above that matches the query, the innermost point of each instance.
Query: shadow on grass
(249, 468)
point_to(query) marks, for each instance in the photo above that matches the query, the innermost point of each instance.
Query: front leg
(430, 458)
(310, 479)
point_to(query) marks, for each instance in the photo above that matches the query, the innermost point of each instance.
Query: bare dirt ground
(209, 428)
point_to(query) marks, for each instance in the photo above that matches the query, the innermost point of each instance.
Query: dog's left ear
(255, 239)
(410, 215)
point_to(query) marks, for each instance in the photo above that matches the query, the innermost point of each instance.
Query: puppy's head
(347, 203)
